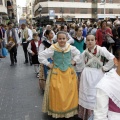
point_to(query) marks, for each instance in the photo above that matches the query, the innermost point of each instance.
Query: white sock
(36, 68)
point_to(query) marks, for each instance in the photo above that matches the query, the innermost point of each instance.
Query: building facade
(78, 8)
(30, 14)
(3, 12)
(12, 10)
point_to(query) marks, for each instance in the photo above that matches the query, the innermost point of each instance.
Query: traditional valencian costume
(91, 75)
(61, 93)
(108, 97)
(43, 68)
(33, 47)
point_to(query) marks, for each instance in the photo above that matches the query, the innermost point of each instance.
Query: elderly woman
(102, 34)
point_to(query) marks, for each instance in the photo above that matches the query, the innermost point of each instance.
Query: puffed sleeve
(29, 48)
(101, 109)
(76, 56)
(109, 56)
(70, 39)
(41, 47)
(44, 55)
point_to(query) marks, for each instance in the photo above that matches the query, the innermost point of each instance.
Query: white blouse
(101, 111)
(49, 52)
(29, 46)
(42, 46)
(102, 51)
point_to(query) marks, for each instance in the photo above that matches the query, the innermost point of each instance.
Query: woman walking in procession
(61, 93)
(46, 43)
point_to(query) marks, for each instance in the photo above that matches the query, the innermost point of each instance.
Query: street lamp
(40, 10)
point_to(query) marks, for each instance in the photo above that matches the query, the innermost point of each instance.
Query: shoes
(15, 60)
(2, 57)
(12, 64)
(30, 63)
(37, 75)
(25, 62)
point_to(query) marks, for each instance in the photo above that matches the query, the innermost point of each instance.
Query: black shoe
(15, 60)
(12, 64)
(30, 63)
(25, 62)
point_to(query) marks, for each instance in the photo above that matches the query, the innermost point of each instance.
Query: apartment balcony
(3, 9)
(9, 5)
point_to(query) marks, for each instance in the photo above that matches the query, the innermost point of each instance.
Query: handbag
(4, 52)
(10, 45)
(110, 40)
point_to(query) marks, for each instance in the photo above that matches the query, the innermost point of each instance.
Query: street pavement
(20, 97)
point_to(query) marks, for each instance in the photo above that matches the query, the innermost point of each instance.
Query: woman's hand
(73, 62)
(103, 70)
(33, 53)
(108, 34)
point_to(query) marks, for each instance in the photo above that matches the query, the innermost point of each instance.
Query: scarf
(110, 84)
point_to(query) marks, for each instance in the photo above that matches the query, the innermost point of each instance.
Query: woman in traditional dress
(79, 44)
(61, 93)
(92, 73)
(108, 94)
(33, 50)
(46, 43)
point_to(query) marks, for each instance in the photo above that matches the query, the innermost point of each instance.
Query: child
(108, 94)
(79, 44)
(91, 75)
(61, 94)
(33, 49)
(79, 39)
(46, 43)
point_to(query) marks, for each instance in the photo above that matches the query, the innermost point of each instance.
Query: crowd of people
(78, 66)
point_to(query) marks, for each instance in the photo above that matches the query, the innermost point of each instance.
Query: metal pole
(104, 7)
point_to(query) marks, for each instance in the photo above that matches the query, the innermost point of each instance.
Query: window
(83, 0)
(72, 10)
(102, 1)
(94, 10)
(110, 11)
(83, 10)
(61, 10)
(110, 1)
(1, 2)
(102, 11)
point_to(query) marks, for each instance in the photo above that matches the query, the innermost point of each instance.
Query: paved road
(20, 98)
